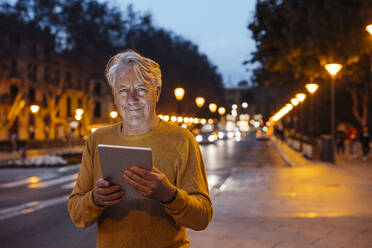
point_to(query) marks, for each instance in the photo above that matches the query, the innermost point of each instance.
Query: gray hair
(146, 69)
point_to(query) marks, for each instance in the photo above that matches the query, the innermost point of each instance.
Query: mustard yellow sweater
(138, 223)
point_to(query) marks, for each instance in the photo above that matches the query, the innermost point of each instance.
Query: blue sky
(218, 27)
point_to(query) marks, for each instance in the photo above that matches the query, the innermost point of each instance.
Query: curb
(281, 153)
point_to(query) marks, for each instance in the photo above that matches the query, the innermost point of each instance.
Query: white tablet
(116, 159)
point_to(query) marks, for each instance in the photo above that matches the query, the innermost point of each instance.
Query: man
(176, 190)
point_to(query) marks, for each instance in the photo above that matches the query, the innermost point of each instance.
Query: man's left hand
(152, 184)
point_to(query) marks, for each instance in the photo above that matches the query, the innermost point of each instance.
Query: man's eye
(123, 91)
(141, 91)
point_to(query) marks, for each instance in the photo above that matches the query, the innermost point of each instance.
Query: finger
(113, 197)
(112, 203)
(140, 171)
(156, 169)
(109, 190)
(137, 186)
(138, 178)
(102, 183)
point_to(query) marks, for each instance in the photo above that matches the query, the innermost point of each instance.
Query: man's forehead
(127, 75)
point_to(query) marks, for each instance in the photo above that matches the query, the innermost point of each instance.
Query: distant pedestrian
(364, 140)
(340, 139)
(352, 136)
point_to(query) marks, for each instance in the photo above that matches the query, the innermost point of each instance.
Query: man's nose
(132, 95)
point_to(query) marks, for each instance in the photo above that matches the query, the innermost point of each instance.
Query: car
(261, 135)
(206, 137)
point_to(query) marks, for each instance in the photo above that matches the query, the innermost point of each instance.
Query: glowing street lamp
(221, 110)
(199, 101)
(113, 114)
(300, 97)
(34, 108)
(212, 107)
(333, 69)
(79, 111)
(179, 93)
(245, 105)
(294, 101)
(312, 87)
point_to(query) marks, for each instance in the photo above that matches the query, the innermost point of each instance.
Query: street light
(312, 88)
(113, 114)
(300, 97)
(199, 101)
(333, 69)
(369, 30)
(179, 93)
(294, 101)
(34, 108)
(212, 107)
(221, 110)
(245, 105)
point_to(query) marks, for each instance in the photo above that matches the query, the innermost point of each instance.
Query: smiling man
(176, 189)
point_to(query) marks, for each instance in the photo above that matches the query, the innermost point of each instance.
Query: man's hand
(152, 184)
(106, 195)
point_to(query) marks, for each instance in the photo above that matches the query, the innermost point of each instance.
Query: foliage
(89, 32)
(296, 38)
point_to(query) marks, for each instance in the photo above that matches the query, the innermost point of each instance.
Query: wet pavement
(311, 204)
(259, 200)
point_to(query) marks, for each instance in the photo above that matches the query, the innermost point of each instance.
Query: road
(33, 202)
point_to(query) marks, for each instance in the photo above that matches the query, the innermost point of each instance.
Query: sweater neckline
(138, 137)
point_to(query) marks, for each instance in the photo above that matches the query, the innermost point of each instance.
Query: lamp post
(333, 69)
(179, 94)
(369, 30)
(300, 98)
(34, 109)
(312, 88)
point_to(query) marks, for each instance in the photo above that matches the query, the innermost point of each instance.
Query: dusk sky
(218, 27)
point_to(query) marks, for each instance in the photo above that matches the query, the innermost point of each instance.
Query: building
(32, 73)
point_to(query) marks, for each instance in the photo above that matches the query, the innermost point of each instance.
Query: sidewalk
(33, 153)
(307, 204)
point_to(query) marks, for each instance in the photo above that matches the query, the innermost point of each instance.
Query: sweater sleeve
(83, 211)
(192, 207)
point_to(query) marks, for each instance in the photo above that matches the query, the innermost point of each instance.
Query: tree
(296, 38)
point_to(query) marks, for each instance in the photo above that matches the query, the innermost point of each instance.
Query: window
(97, 110)
(31, 96)
(97, 89)
(13, 92)
(68, 107)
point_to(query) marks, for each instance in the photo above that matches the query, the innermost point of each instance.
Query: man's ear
(157, 91)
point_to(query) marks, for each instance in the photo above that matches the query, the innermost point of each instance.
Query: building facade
(32, 73)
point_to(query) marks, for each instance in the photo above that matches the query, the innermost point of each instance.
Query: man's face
(134, 99)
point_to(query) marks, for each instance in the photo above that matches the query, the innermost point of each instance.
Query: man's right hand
(105, 194)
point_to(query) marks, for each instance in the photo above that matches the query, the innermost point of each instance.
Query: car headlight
(230, 134)
(199, 138)
(220, 135)
(212, 138)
